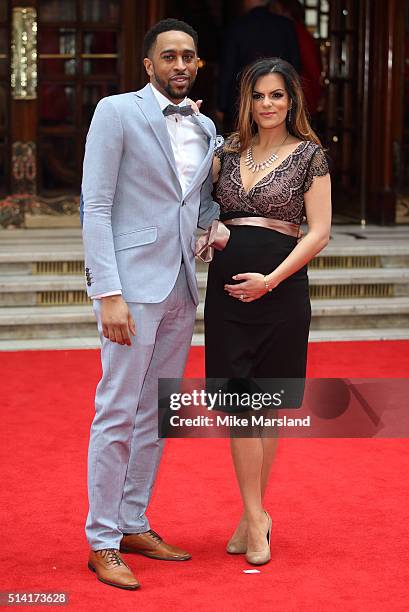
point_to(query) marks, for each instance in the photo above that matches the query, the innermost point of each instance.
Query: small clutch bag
(216, 237)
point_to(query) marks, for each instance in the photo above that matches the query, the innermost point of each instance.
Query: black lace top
(280, 194)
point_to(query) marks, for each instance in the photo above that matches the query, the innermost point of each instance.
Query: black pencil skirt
(266, 338)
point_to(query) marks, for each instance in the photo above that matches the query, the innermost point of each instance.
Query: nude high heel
(235, 546)
(260, 557)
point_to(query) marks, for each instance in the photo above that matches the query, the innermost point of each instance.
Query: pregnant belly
(254, 249)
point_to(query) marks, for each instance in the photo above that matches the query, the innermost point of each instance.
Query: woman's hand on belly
(252, 287)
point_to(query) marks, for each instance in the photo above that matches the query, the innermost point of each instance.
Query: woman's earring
(289, 114)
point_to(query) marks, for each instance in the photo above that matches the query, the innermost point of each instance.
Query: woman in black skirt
(270, 174)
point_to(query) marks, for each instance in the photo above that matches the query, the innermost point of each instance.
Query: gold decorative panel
(62, 298)
(24, 54)
(60, 205)
(402, 209)
(57, 268)
(336, 292)
(326, 262)
(24, 167)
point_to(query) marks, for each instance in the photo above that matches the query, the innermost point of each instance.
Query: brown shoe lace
(155, 535)
(112, 556)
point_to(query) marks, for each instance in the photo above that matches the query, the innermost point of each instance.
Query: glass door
(79, 52)
(58, 58)
(336, 27)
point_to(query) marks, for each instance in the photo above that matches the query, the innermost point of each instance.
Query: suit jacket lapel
(202, 123)
(150, 108)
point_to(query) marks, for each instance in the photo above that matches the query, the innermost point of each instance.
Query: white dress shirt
(189, 143)
(189, 146)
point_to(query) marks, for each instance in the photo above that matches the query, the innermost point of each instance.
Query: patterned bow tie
(171, 109)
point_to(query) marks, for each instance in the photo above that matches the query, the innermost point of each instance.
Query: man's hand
(117, 321)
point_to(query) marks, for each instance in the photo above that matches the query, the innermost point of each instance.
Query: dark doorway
(355, 39)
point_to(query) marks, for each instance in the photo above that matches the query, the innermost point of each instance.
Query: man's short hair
(166, 25)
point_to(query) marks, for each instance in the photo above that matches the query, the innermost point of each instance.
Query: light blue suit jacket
(137, 224)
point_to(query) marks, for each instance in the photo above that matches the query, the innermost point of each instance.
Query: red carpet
(340, 507)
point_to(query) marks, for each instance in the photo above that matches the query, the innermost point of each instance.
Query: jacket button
(183, 203)
(89, 283)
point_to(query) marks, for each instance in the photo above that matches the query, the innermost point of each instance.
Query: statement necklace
(251, 164)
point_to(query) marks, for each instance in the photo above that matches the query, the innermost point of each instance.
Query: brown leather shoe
(111, 569)
(151, 545)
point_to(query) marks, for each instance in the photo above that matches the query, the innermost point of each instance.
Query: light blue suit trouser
(124, 449)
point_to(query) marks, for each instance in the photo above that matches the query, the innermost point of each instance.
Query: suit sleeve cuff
(108, 294)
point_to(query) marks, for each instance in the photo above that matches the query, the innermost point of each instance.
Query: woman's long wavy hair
(297, 120)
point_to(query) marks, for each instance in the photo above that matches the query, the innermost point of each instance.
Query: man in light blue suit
(146, 187)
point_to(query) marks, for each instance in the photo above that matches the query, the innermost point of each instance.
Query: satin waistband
(285, 227)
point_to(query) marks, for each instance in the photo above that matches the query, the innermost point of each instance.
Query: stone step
(67, 259)
(317, 277)
(349, 238)
(349, 314)
(60, 251)
(47, 322)
(41, 290)
(31, 290)
(38, 235)
(42, 322)
(345, 284)
(92, 342)
(70, 263)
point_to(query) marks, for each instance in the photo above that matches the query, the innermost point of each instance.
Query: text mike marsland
(235, 421)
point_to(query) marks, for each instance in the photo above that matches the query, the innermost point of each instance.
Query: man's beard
(173, 93)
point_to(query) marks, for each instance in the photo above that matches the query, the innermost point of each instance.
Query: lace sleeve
(318, 166)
